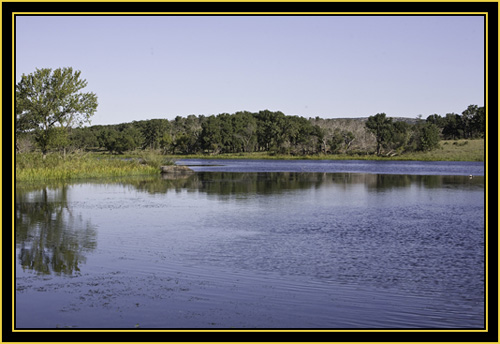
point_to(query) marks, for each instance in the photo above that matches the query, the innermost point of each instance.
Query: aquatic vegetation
(31, 167)
(151, 158)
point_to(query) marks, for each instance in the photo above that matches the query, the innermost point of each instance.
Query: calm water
(348, 166)
(260, 244)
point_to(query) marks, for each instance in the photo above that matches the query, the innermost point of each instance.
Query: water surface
(464, 168)
(254, 249)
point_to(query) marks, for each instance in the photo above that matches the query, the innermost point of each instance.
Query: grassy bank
(30, 167)
(460, 150)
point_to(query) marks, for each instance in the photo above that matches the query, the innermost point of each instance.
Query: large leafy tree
(474, 121)
(245, 130)
(153, 131)
(382, 128)
(48, 101)
(211, 134)
(453, 128)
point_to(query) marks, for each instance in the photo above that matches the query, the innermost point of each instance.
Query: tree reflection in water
(233, 183)
(50, 238)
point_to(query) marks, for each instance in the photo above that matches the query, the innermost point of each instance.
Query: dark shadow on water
(231, 183)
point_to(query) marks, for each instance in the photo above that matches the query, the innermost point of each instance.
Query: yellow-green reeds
(31, 167)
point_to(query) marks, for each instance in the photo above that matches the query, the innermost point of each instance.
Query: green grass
(459, 150)
(151, 158)
(30, 167)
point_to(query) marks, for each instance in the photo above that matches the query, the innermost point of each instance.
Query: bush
(429, 137)
(154, 159)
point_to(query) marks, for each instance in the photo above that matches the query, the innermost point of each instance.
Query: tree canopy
(49, 102)
(51, 111)
(382, 128)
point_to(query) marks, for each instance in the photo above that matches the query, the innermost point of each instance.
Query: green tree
(468, 120)
(295, 131)
(437, 120)
(167, 144)
(181, 143)
(83, 138)
(401, 134)
(348, 139)
(428, 137)
(211, 135)
(124, 142)
(192, 129)
(336, 141)
(47, 99)
(340, 139)
(23, 125)
(245, 131)
(270, 129)
(474, 121)
(480, 122)
(108, 139)
(453, 129)
(381, 127)
(226, 132)
(153, 131)
(58, 138)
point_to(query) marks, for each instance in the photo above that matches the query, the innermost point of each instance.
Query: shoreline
(31, 166)
(449, 150)
(309, 157)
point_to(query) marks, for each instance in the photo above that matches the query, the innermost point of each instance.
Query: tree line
(263, 131)
(50, 112)
(470, 125)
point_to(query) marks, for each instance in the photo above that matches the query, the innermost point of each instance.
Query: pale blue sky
(329, 66)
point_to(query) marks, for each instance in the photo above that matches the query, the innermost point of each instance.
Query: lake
(257, 244)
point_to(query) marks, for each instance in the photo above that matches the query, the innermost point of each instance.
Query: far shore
(449, 150)
(30, 167)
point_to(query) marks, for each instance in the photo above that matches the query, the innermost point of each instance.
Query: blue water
(332, 166)
(244, 249)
